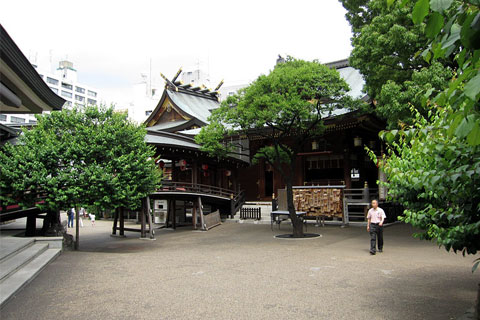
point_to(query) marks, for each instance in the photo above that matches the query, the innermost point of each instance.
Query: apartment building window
(17, 120)
(3, 117)
(67, 86)
(92, 101)
(66, 94)
(80, 90)
(54, 89)
(148, 112)
(32, 121)
(92, 93)
(41, 75)
(68, 104)
(52, 81)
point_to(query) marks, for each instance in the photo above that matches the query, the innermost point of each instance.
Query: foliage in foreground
(433, 166)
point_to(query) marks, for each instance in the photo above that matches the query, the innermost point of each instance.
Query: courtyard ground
(240, 271)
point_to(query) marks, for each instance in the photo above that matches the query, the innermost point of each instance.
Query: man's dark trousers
(376, 231)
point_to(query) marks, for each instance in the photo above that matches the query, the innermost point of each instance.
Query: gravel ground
(240, 271)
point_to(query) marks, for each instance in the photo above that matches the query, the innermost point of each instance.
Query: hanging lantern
(182, 163)
(228, 173)
(183, 168)
(314, 145)
(206, 173)
(357, 141)
(204, 166)
(161, 164)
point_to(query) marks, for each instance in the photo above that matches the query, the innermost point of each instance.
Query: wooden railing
(237, 199)
(196, 188)
(364, 195)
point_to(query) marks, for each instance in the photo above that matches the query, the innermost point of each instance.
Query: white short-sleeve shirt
(376, 216)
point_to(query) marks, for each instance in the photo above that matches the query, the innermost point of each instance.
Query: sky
(111, 43)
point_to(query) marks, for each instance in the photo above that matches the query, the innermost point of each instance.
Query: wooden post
(77, 228)
(194, 215)
(31, 225)
(142, 218)
(200, 209)
(122, 222)
(115, 220)
(174, 214)
(150, 225)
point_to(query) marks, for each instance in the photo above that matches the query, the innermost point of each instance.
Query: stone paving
(239, 271)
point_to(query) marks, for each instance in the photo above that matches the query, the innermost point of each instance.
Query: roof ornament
(176, 75)
(169, 84)
(219, 85)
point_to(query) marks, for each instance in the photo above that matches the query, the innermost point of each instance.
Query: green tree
(386, 45)
(433, 166)
(285, 108)
(90, 157)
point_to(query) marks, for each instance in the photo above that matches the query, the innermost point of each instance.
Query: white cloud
(112, 42)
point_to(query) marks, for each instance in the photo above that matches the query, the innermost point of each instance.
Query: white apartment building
(64, 83)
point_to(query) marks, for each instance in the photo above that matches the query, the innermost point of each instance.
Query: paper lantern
(228, 173)
(182, 163)
(204, 166)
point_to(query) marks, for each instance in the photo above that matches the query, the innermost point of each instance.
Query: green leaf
(472, 88)
(454, 36)
(434, 25)
(473, 137)
(420, 11)
(389, 3)
(440, 5)
(465, 127)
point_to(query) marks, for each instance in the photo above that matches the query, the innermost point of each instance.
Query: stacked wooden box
(319, 201)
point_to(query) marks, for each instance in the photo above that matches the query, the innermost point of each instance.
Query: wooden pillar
(194, 215)
(31, 225)
(174, 174)
(194, 172)
(77, 228)
(149, 216)
(174, 214)
(142, 218)
(122, 222)
(346, 170)
(169, 206)
(115, 220)
(200, 209)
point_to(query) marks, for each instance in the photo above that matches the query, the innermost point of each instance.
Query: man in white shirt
(375, 218)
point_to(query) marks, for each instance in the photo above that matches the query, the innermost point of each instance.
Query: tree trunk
(296, 221)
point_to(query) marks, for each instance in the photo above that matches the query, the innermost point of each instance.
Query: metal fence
(251, 213)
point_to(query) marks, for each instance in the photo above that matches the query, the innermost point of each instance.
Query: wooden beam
(142, 218)
(122, 222)
(200, 209)
(115, 220)
(194, 215)
(150, 225)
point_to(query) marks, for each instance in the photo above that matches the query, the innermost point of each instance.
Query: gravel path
(239, 271)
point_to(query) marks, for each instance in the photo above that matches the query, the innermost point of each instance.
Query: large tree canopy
(433, 165)
(286, 108)
(386, 50)
(91, 157)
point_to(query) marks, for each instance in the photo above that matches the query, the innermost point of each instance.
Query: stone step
(12, 245)
(14, 262)
(16, 281)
